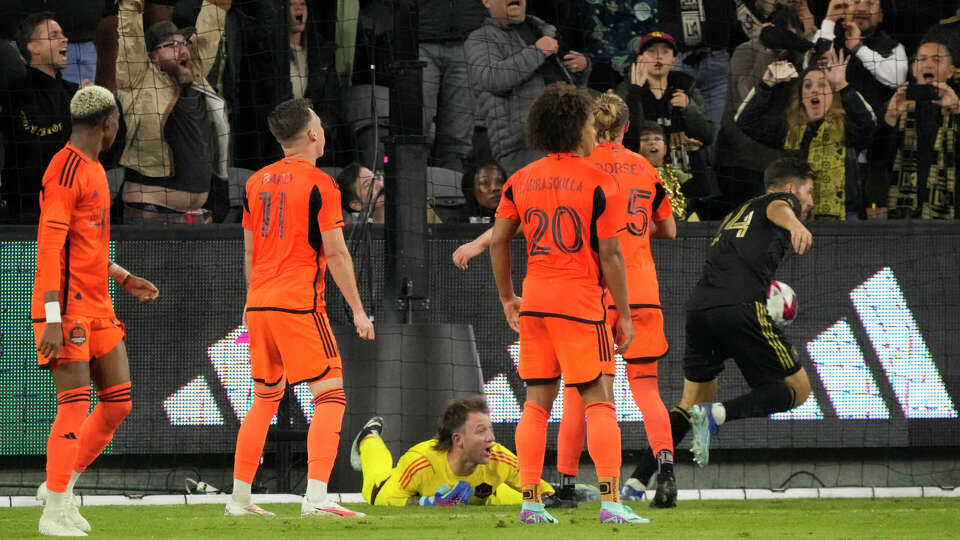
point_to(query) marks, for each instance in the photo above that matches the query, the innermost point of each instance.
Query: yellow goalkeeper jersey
(422, 470)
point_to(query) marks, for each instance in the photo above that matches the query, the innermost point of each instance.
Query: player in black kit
(727, 315)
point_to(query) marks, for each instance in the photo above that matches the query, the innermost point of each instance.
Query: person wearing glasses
(176, 123)
(34, 117)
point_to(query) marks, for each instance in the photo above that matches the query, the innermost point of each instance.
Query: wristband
(52, 312)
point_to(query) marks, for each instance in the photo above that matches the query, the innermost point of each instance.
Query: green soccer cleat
(704, 427)
(373, 425)
(614, 512)
(534, 513)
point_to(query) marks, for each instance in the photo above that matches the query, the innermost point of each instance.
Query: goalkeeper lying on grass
(462, 465)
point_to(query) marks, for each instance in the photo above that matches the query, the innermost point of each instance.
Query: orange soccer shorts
(552, 346)
(84, 338)
(649, 342)
(299, 346)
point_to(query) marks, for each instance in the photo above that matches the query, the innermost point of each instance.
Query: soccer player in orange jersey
(648, 215)
(293, 232)
(571, 212)
(72, 311)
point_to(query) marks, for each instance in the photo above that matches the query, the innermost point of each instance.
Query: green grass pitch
(812, 519)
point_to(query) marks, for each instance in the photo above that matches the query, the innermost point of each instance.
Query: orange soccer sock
(253, 432)
(72, 408)
(113, 405)
(603, 443)
(573, 433)
(531, 439)
(323, 436)
(656, 419)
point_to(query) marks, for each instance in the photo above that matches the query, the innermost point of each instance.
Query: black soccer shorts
(743, 332)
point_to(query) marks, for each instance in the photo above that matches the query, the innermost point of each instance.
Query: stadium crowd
(864, 90)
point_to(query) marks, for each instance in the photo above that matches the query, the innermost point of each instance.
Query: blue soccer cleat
(704, 426)
(614, 512)
(633, 491)
(534, 513)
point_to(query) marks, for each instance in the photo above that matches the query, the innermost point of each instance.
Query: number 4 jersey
(744, 255)
(286, 206)
(565, 205)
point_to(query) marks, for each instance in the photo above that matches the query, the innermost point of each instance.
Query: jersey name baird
(559, 183)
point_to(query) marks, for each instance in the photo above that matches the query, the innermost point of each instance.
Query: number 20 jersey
(287, 204)
(744, 255)
(565, 205)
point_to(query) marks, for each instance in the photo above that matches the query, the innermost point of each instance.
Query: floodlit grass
(813, 519)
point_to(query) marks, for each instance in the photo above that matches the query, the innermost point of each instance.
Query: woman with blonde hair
(827, 123)
(649, 214)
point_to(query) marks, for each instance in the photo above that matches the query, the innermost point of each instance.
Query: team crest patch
(78, 335)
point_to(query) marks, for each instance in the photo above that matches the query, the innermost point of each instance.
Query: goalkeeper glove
(461, 493)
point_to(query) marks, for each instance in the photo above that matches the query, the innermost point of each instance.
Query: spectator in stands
(361, 194)
(78, 20)
(447, 95)
(176, 123)
(34, 116)
(653, 146)
(827, 122)
(670, 98)
(283, 55)
(741, 160)
(612, 36)
(706, 31)
(878, 64)
(511, 58)
(918, 138)
(482, 187)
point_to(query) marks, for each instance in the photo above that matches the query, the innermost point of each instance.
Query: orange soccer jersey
(287, 205)
(565, 205)
(73, 237)
(645, 201)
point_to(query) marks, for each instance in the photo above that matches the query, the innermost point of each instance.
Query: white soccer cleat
(326, 509)
(55, 523)
(71, 511)
(235, 509)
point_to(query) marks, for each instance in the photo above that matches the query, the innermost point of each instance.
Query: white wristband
(53, 311)
(118, 273)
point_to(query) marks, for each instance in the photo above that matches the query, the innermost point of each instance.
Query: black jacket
(449, 20)
(35, 121)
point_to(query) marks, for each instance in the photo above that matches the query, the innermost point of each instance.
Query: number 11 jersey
(286, 206)
(565, 205)
(744, 255)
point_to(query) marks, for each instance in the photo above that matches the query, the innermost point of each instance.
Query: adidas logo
(837, 358)
(843, 363)
(72, 436)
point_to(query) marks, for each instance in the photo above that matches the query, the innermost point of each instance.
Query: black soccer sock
(679, 426)
(761, 401)
(567, 480)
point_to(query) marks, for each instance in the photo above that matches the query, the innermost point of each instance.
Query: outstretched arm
(503, 231)
(783, 216)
